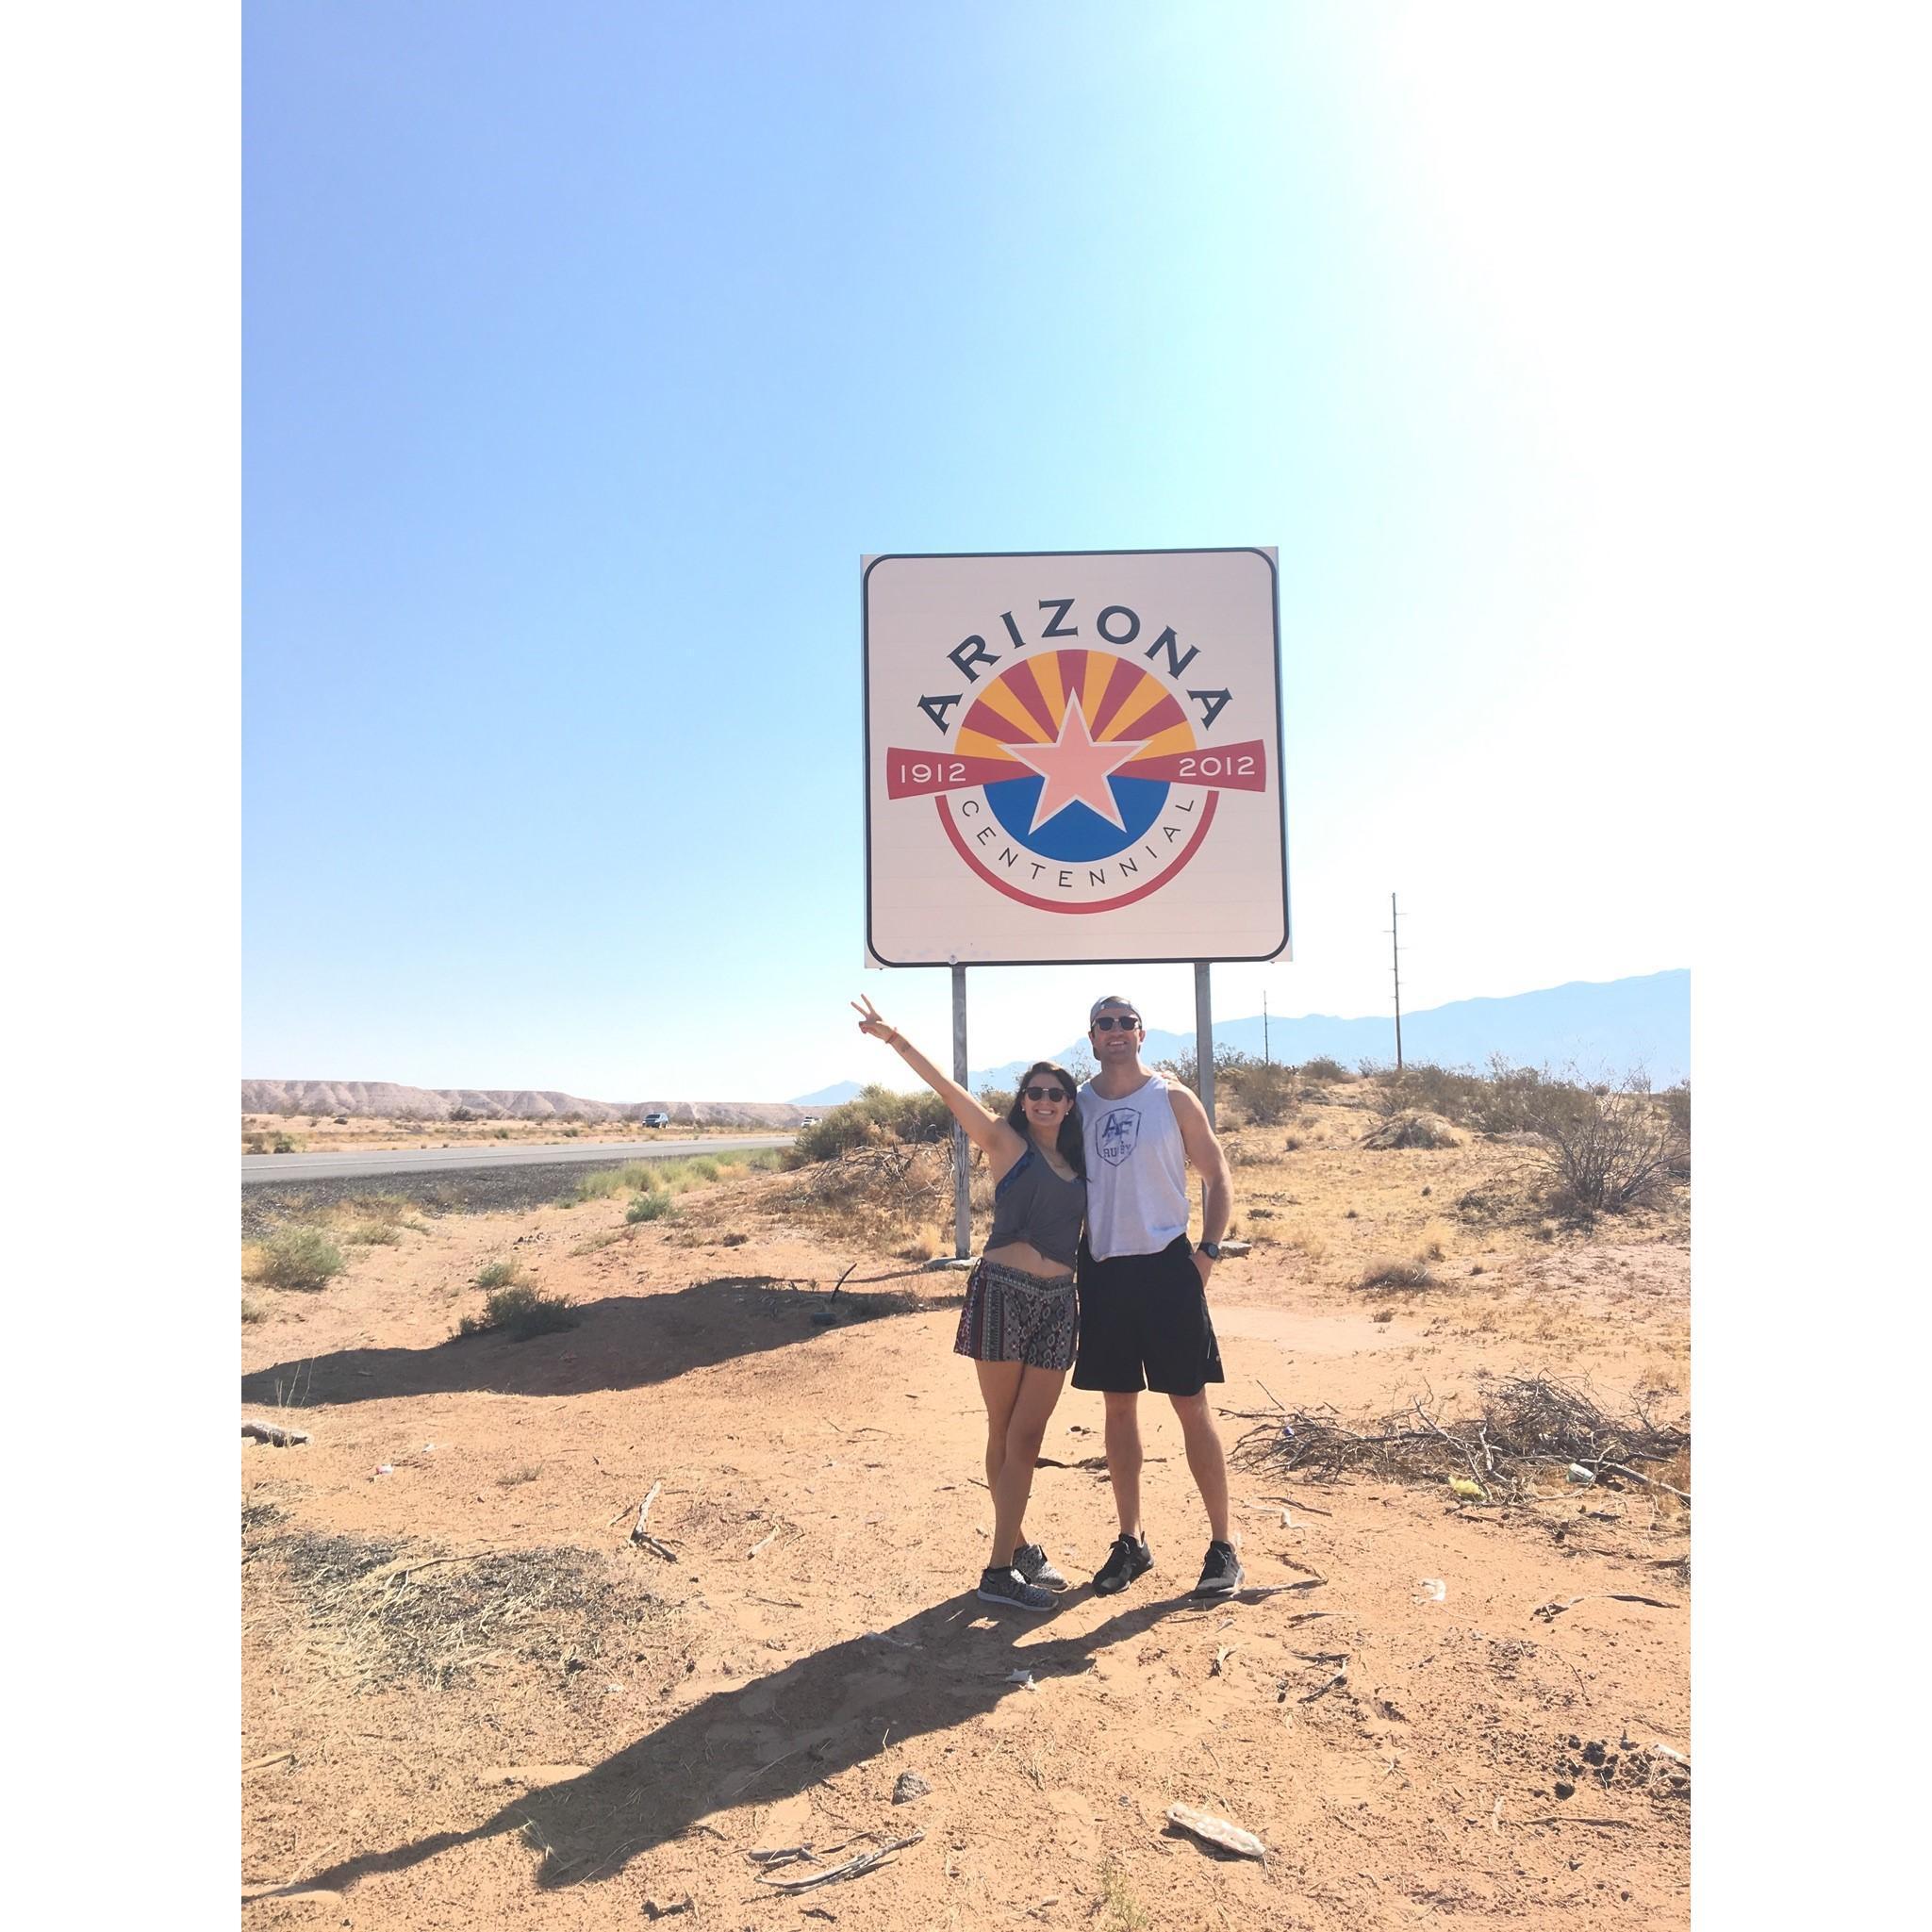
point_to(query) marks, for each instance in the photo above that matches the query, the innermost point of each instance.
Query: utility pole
(1395, 960)
(1268, 1059)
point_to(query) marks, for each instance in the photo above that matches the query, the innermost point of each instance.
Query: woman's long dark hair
(1072, 1143)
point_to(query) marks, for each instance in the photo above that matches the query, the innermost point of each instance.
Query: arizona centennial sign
(1073, 756)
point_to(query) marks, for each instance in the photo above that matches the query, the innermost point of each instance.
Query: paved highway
(352, 1163)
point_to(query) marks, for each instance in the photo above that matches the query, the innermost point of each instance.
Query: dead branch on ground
(1525, 1424)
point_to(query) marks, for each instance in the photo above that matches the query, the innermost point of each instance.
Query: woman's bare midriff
(1027, 1259)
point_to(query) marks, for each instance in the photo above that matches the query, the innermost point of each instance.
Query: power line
(1396, 961)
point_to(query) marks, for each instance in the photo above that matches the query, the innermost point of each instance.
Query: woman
(1018, 1325)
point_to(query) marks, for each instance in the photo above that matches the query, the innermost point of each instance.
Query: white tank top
(1136, 1170)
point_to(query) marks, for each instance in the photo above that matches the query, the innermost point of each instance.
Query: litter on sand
(1472, 1492)
(1216, 1831)
(1023, 1679)
(1432, 1590)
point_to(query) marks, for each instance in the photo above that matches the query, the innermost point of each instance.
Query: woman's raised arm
(1001, 1142)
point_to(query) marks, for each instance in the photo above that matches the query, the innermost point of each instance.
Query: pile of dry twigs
(1529, 1429)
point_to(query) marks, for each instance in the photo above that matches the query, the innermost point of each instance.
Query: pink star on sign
(1077, 770)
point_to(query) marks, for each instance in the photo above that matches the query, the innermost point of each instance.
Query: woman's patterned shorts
(1013, 1316)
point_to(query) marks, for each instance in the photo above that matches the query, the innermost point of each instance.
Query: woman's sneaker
(1129, 1558)
(1221, 1574)
(1036, 1566)
(1009, 1587)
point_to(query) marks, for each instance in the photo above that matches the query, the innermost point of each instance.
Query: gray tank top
(1033, 1204)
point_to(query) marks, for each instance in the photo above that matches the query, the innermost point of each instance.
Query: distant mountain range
(1602, 1027)
(385, 1101)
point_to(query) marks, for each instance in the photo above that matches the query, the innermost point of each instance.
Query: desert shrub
(884, 1188)
(876, 1114)
(500, 1274)
(648, 1207)
(1324, 1069)
(296, 1257)
(997, 1099)
(1676, 1106)
(521, 1310)
(499, 1133)
(1266, 1091)
(374, 1234)
(1411, 1130)
(765, 1160)
(1395, 1274)
(1508, 1097)
(253, 1311)
(463, 1113)
(1607, 1148)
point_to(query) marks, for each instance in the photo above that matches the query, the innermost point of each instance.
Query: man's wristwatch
(1211, 1248)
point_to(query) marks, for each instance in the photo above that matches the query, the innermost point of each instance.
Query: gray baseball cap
(1112, 1000)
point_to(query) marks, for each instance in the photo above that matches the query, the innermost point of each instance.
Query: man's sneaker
(1221, 1574)
(1036, 1566)
(1010, 1589)
(1129, 1558)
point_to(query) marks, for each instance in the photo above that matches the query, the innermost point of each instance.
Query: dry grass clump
(521, 1310)
(298, 1258)
(392, 1611)
(881, 1191)
(501, 1273)
(926, 1243)
(1382, 1273)
(1525, 1427)
(1412, 1129)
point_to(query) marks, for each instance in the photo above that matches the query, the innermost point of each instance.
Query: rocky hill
(384, 1099)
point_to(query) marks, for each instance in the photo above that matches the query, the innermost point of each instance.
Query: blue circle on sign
(1077, 833)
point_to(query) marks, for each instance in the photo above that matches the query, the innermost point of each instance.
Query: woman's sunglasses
(1107, 1022)
(1046, 1093)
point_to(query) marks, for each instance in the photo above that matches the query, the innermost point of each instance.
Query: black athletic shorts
(1144, 1323)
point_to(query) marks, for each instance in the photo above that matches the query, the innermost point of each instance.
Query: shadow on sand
(620, 1342)
(771, 1739)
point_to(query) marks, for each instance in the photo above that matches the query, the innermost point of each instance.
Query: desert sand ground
(470, 1699)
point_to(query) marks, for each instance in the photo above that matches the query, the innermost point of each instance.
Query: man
(1143, 1286)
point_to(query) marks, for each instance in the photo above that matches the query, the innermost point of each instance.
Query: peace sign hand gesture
(869, 1021)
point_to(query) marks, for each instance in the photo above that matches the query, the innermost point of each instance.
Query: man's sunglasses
(1046, 1093)
(1107, 1022)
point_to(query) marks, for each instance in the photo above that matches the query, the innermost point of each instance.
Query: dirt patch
(469, 1698)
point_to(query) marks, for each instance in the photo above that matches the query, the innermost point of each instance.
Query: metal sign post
(1204, 1052)
(962, 1180)
(1204, 1037)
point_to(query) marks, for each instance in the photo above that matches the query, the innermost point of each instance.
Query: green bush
(648, 1207)
(500, 1274)
(1322, 1067)
(521, 1310)
(876, 1114)
(296, 1257)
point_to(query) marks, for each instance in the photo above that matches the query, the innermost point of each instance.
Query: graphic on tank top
(1119, 1133)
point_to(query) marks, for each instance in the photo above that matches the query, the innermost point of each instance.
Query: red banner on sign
(1233, 767)
(1228, 768)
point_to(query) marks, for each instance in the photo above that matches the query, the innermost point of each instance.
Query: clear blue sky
(587, 348)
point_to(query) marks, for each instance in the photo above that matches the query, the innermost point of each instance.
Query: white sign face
(1073, 756)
